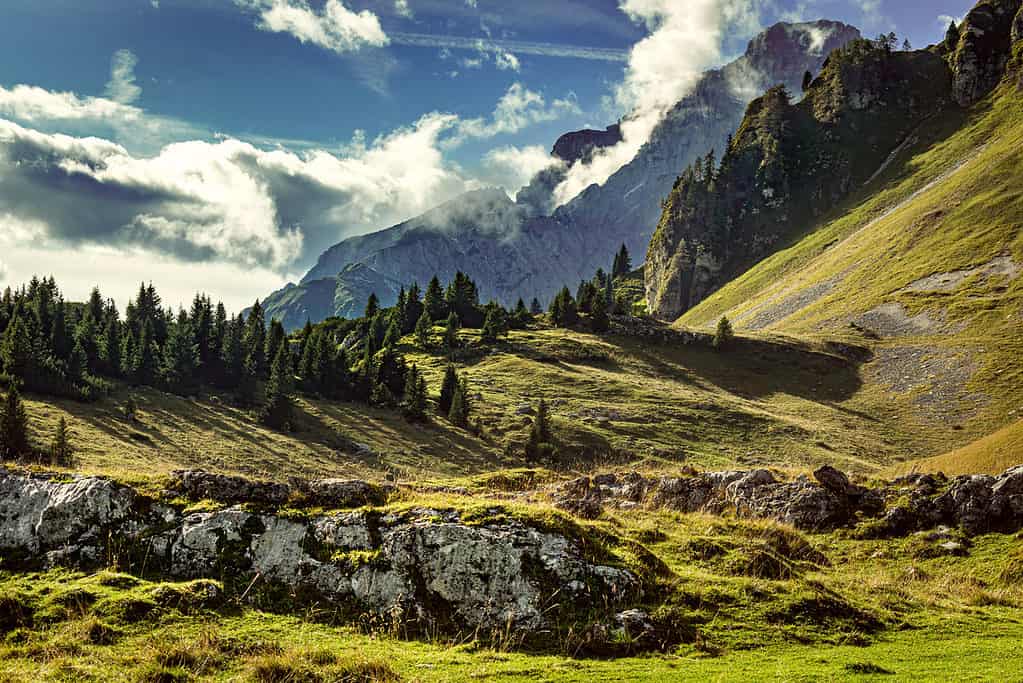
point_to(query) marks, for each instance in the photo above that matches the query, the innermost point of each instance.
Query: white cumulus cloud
(336, 28)
(684, 41)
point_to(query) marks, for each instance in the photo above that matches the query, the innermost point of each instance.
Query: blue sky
(229, 141)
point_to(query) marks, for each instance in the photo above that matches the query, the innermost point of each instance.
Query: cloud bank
(684, 41)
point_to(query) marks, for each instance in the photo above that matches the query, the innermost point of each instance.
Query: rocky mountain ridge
(525, 248)
(790, 163)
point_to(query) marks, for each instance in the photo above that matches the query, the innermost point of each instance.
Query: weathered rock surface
(975, 504)
(423, 566)
(985, 46)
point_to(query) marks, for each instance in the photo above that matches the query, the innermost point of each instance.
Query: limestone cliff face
(790, 163)
(787, 164)
(527, 248)
(985, 46)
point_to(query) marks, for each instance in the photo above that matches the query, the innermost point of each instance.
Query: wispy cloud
(122, 87)
(512, 46)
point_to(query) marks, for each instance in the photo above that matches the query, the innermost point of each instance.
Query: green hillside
(923, 265)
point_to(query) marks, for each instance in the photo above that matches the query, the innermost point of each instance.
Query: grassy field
(834, 608)
(615, 400)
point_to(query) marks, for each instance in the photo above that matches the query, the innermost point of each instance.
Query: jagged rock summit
(790, 163)
(526, 248)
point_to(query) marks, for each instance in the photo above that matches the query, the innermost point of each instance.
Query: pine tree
(232, 354)
(495, 325)
(61, 450)
(461, 405)
(277, 408)
(110, 348)
(622, 263)
(180, 358)
(16, 351)
(413, 309)
(423, 327)
(340, 384)
(276, 337)
(413, 406)
(540, 440)
(60, 341)
(398, 315)
(952, 36)
(78, 363)
(599, 320)
(535, 308)
(724, 334)
(448, 388)
(145, 362)
(907, 46)
(13, 427)
(451, 331)
(377, 331)
(521, 318)
(254, 339)
(433, 301)
(372, 306)
(393, 335)
(390, 371)
(807, 81)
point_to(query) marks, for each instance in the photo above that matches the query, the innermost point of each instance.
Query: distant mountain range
(525, 249)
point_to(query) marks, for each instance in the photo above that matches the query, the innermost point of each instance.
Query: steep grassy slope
(924, 264)
(994, 453)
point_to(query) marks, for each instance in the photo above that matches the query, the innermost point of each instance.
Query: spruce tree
(16, 351)
(807, 80)
(413, 309)
(423, 327)
(599, 320)
(451, 331)
(398, 315)
(277, 407)
(433, 301)
(146, 363)
(539, 445)
(413, 405)
(232, 354)
(60, 340)
(724, 334)
(61, 450)
(447, 390)
(495, 324)
(535, 307)
(952, 36)
(340, 384)
(254, 339)
(393, 335)
(275, 338)
(180, 358)
(110, 348)
(13, 427)
(461, 405)
(377, 331)
(372, 306)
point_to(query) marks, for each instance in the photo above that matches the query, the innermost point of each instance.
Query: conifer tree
(413, 309)
(724, 334)
(232, 354)
(423, 327)
(110, 348)
(398, 315)
(393, 335)
(180, 358)
(952, 35)
(377, 332)
(807, 80)
(521, 317)
(145, 363)
(61, 450)
(539, 444)
(78, 363)
(535, 308)
(451, 331)
(448, 388)
(413, 406)
(495, 325)
(622, 263)
(276, 337)
(254, 339)
(13, 427)
(277, 408)
(599, 320)
(434, 302)
(60, 341)
(339, 385)
(461, 405)
(16, 351)
(372, 306)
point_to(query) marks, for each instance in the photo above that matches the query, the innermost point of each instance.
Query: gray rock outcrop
(423, 566)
